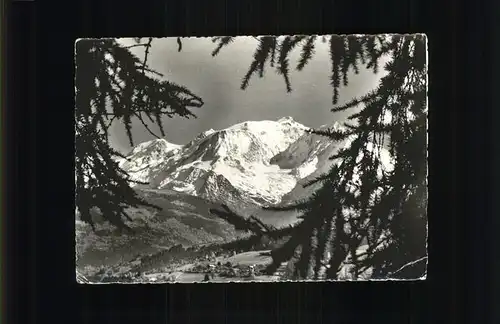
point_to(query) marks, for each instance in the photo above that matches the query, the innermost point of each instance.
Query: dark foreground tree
(364, 199)
(113, 84)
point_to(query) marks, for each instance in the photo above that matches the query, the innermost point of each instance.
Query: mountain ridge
(259, 163)
(238, 156)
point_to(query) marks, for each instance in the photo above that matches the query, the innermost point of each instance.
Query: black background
(38, 120)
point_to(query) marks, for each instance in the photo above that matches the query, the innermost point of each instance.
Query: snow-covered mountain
(310, 152)
(258, 162)
(233, 163)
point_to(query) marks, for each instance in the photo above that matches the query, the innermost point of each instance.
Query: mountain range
(253, 163)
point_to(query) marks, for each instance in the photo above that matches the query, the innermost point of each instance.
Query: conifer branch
(409, 264)
(138, 115)
(106, 70)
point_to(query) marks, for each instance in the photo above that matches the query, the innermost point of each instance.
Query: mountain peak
(286, 119)
(334, 126)
(159, 144)
(205, 134)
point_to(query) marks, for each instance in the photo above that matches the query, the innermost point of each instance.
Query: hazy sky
(217, 81)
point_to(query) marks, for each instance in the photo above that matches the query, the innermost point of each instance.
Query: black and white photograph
(251, 159)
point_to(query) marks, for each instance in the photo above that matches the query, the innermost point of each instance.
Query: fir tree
(113, 84)
(362, 199)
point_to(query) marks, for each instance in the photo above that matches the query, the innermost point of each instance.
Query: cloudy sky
(217, 81)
